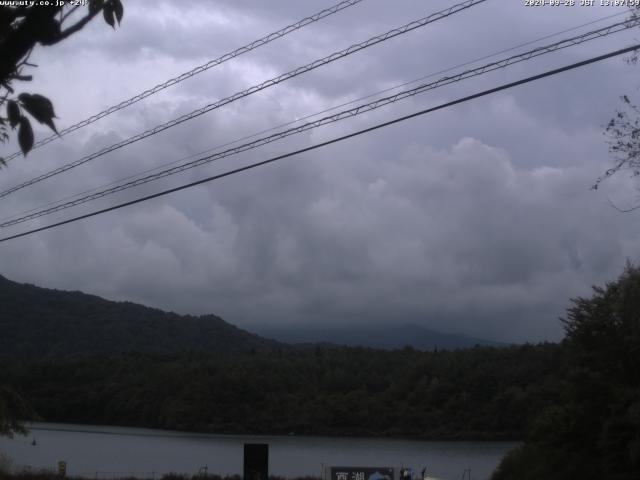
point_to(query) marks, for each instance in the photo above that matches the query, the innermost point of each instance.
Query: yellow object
(62, 469)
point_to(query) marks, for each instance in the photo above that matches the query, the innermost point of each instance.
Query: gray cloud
(477, 218)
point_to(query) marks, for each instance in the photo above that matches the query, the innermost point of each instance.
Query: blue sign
(361, 473)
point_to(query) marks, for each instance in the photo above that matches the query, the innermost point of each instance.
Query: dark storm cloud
(477, 218)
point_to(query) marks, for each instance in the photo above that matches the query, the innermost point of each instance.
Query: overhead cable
(352, 112)
(195, 71)
(329, 142)
(306, 117)
(256, 88)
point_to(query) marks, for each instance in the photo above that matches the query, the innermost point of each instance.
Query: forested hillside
(43, 323)
(388, 336)
(576, 403)
(79, 358)
(591, 430)
(479, 393)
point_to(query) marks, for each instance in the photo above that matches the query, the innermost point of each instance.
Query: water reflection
(91, 450)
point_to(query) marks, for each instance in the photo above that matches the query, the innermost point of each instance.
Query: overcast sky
(475, 219)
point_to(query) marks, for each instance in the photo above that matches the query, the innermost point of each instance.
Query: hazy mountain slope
(377, 336)
(40, 323)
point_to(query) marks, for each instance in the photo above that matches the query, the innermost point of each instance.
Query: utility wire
(306, 117)
(332, 141)
(256, 88)
(602, 32)
(195, 71)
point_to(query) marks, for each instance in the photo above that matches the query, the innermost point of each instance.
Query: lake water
(109, 452)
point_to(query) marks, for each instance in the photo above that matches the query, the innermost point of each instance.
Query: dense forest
(480, 393)
(43, 323)
(576, 404)
(49, 323)
(591, 429)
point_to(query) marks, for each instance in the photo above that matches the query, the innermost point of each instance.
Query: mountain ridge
(384, 336)
(39, 322)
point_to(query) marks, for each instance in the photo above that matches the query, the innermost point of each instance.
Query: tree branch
(70, 12)
(622, 210)
(79, 25)
(16, 45)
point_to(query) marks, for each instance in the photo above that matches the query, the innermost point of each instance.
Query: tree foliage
(623, 137)
(593, 431)
(80, 358)
(623, 130)
(43, 323)
(22, 28)
(478, 393)
(12, 408)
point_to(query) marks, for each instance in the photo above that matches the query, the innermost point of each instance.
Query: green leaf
(39, 107)
(107, 13)
(95, 6)
(118, 9)
(13, 113)
(48, 31)
(25, 135)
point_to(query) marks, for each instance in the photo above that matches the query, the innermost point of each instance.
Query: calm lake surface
(106, 452)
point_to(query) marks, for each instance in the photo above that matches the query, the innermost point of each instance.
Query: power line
(306, 117)
(256, 88)
(595, 34)
(332, 141)
(195, 71)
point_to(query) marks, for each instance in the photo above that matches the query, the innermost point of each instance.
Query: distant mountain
(379, 336)
(38, 323)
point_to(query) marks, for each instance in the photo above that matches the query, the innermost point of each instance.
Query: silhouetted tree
(12, 409)
(623, 130)
(593, 430)
(22, 28)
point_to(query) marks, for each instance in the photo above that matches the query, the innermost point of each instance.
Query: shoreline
(102, 429)
(52, 475)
